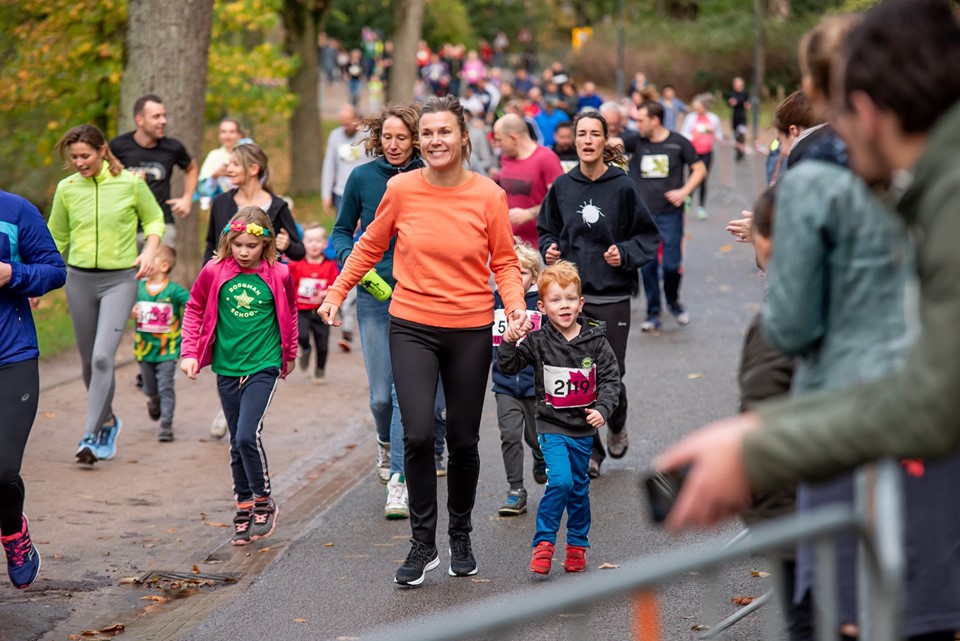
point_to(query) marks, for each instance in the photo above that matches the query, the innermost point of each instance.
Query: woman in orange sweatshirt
(452, 230)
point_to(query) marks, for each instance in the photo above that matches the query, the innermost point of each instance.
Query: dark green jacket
(915, 412)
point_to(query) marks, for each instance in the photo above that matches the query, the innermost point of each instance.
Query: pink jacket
(200, 317)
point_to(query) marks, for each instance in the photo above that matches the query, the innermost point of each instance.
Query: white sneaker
(218, 427)
(398, 503)
(383, 462)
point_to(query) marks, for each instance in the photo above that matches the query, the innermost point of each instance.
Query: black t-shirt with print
(155, 162)
(657, 167)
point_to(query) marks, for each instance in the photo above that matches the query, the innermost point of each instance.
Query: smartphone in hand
(662, 489)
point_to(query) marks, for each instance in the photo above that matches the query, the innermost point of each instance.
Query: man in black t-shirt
(148, 152)
(657, 159)
(739, 101)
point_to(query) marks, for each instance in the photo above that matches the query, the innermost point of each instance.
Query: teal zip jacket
(95, 219)
(915, 412)
(361, 197)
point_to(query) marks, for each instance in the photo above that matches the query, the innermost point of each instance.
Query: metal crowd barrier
(876, 520)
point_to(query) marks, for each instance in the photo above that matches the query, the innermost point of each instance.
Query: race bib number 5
(500, 324)
(570, 386)
(154, 318)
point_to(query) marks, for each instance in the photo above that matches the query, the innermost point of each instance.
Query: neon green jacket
(96, 218)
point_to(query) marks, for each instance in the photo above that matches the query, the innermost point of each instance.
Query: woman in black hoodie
(250, 173)
(594, 217)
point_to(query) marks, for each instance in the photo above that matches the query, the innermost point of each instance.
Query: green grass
(54, 328)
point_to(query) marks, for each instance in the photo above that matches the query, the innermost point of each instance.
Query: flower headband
(246, 228)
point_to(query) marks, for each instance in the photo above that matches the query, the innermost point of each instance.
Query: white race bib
(570, 386)
(311, 290)
(153, 317)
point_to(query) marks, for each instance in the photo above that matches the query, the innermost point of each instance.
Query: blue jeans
(568, 488)
(245, 400)
(373, 319)
(670, 224)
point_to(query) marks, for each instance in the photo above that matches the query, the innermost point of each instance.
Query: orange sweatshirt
(445, 237)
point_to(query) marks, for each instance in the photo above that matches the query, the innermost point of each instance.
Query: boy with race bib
(159, 316)
(515, 394)
(577, 385)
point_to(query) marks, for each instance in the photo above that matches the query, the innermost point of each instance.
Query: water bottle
(378, 288)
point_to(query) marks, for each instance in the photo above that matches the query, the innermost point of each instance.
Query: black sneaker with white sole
(421, 559)
(462, 562)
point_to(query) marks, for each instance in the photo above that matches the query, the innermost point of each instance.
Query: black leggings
(309, 323)
(461, 358)
(707, 158)
(617, 318)
(19, 389)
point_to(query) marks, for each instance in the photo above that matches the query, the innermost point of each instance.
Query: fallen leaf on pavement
(108, 631)
(329, 545)
(699, 627)
(726, 248)
(760, 575)
(608, 566)
(299, 620)
(743, 600)
(694, 376)
(263, 550)
(49, 415)
(195, 569)
(154, 597)
(215, 524)
(129, 580)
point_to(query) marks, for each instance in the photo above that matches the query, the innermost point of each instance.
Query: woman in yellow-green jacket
(94, 220)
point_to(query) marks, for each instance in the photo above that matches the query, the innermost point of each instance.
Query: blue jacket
(37, 268)
(521, 384)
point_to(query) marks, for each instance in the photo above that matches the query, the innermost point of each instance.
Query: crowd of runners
(574, 201)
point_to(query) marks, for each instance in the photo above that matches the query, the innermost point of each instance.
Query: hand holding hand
(612, 256)
(190, 367)
(594, 418)
(145, 262)
(552, 255)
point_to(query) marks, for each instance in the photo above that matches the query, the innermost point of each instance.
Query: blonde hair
(528, 256)
(249, 215)
(820, 47)
(315, 226)
(167, 254)
(562, 273)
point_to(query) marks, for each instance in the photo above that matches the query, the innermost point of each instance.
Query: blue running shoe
(108, 439)
(23, 560)
(87, 450)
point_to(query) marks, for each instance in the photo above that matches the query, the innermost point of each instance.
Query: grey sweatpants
(517, 418)
(100, 304)
(158, 381)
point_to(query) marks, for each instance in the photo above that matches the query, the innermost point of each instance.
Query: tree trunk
(779, 9)
(300, 19)
(166, 49)
(409, 25)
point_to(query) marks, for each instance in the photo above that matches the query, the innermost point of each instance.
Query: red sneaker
(542, 558)
(576, 560)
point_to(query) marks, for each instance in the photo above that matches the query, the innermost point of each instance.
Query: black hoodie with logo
(584, 217)
(569, 376)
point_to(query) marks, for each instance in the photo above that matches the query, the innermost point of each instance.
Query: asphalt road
(336, 580)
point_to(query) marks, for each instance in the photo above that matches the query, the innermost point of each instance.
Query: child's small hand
(594, 418)
(289, 367)
(190, 367)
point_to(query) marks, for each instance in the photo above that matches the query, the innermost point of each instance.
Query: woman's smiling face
(441, 140)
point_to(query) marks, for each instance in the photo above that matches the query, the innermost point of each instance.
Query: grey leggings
(100, 304)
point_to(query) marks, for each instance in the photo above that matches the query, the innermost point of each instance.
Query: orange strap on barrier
(646, 616)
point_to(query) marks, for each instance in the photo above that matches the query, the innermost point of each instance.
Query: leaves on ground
(299, 620)
(699, 627)
(726, 249)
(759, 575)
(694, 376)
(104, 633)
(49, 415)
(328, 545)
(743, 600)
(609, 566)
(195, 569)
(215, 524)
(155, 598)
(130, 580)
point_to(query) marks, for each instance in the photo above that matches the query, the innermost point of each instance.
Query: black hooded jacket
(584, 217)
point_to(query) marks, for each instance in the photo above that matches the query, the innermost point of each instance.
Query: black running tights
(19, 389)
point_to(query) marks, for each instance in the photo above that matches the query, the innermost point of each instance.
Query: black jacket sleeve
(281, 218)
(513, 357)
(641, 233)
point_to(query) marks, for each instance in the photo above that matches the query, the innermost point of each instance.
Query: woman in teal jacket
(94, 219)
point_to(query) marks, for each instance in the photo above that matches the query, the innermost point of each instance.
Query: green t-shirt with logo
(159, 319)
(248, 334)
